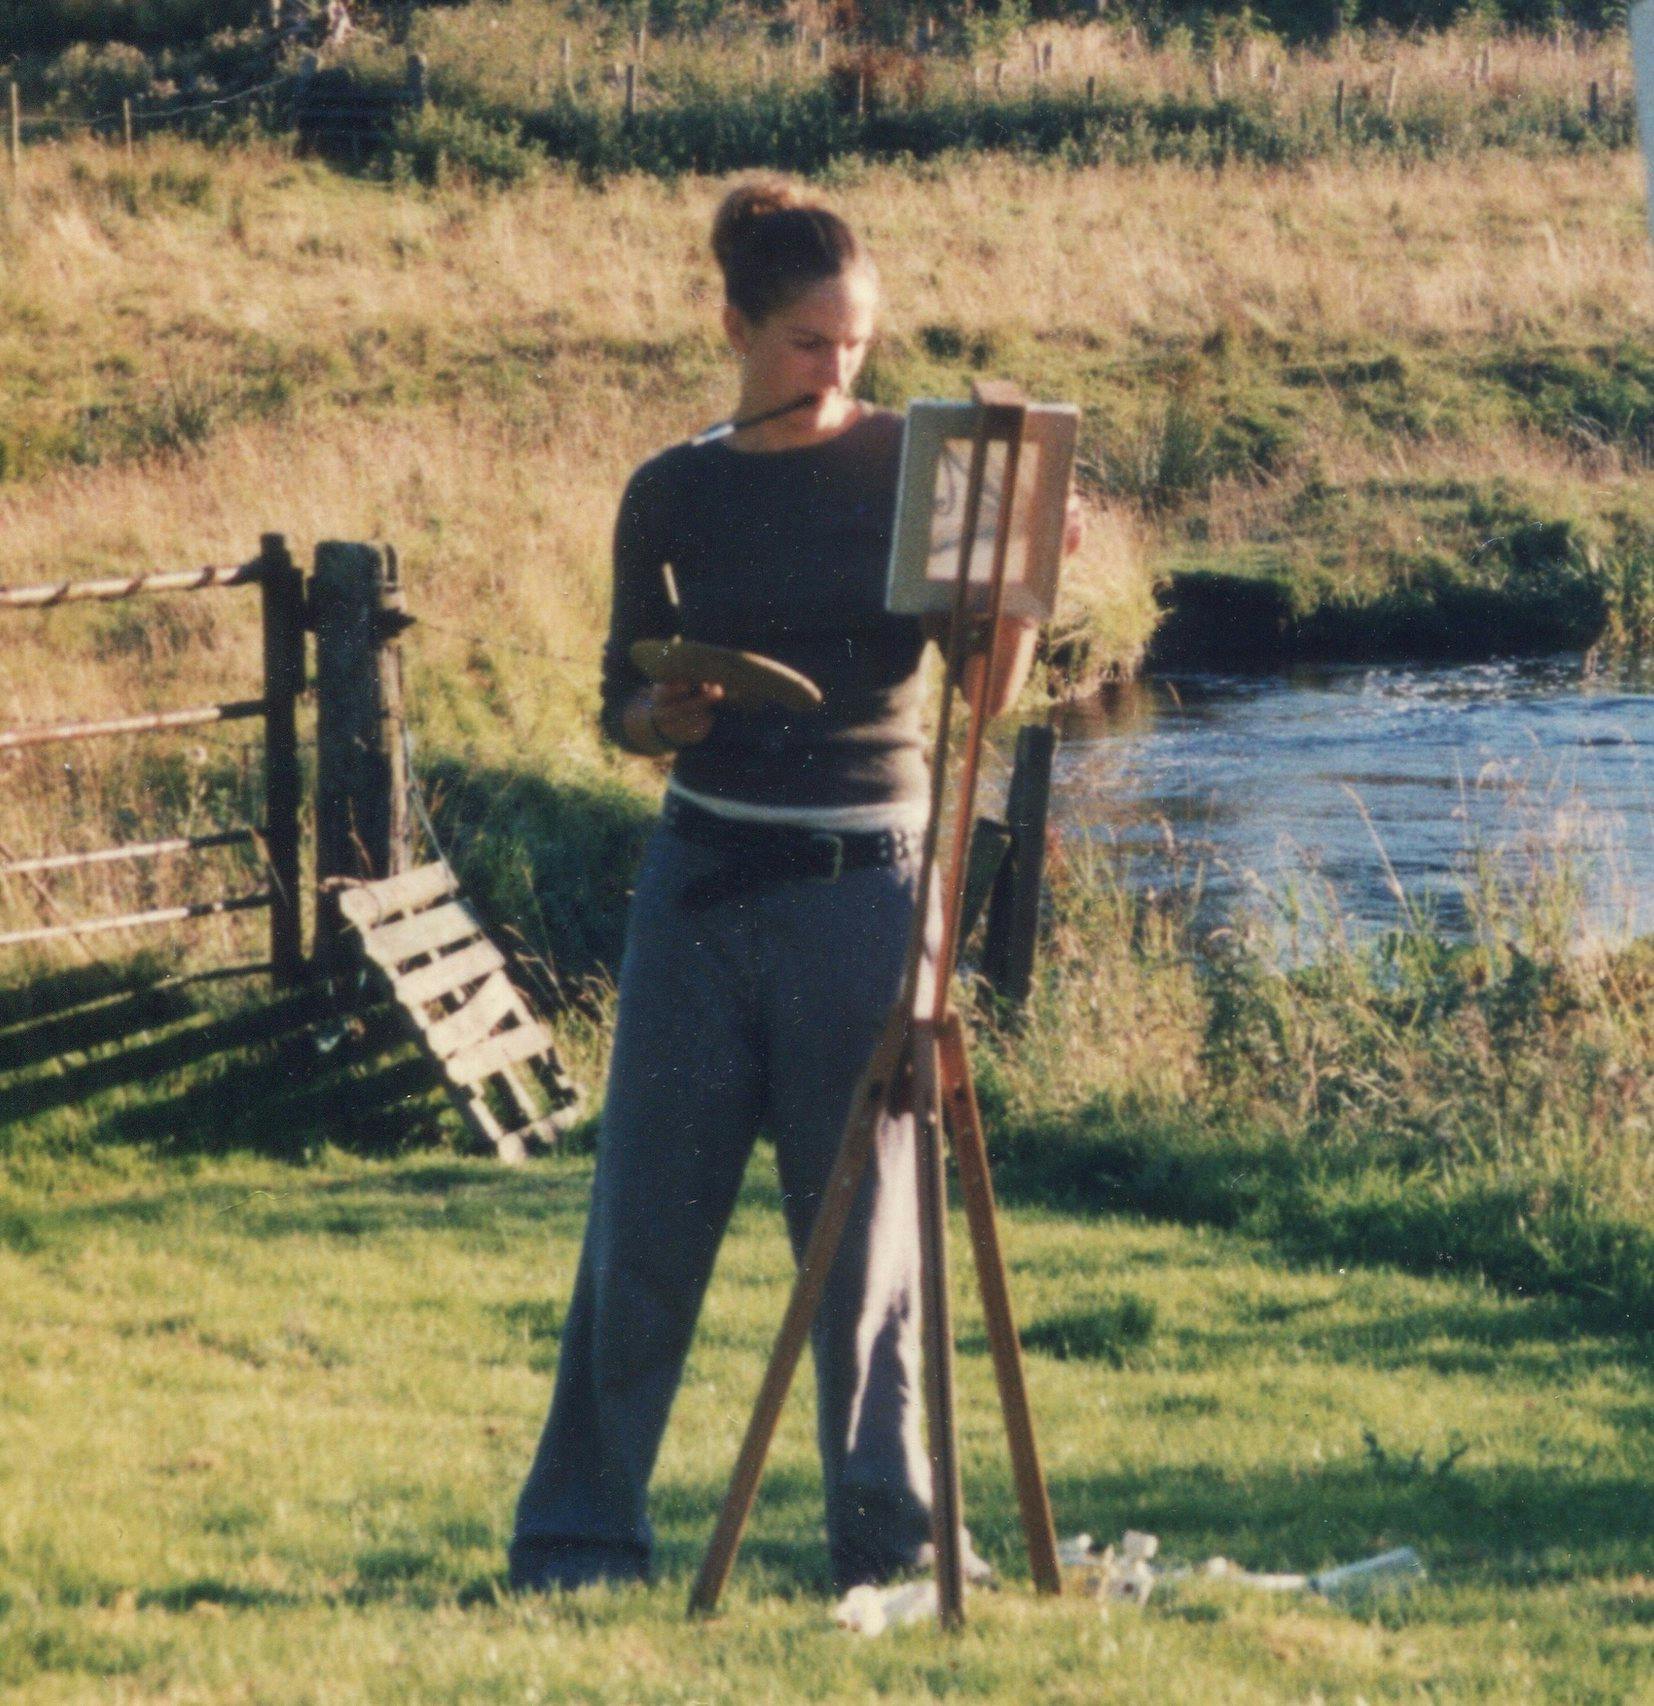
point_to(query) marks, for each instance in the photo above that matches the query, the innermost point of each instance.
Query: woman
(766, 937)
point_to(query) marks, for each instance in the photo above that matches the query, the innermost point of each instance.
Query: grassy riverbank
(1410, 402)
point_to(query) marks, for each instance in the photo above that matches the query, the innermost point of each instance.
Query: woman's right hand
(671, 714)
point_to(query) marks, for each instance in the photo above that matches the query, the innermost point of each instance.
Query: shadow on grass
(477, 1202)
(1514, 1525)
(549, 862)
(121, 1053)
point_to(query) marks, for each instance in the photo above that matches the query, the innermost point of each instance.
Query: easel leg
(970, 1152)
(837, 1199)
(937, 1331)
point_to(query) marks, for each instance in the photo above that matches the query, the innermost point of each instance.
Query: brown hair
(771, 245)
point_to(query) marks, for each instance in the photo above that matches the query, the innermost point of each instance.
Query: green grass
(316, 1389)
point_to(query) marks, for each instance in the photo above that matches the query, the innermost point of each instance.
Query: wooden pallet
(451, 983)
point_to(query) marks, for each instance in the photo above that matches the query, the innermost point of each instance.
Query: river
(1381, 789)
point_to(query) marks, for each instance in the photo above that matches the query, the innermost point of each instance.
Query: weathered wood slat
(497, 1053)
(495, 1002)
(448, 975)
(527, 1106)
(476, 1057)
(507, 1145)
(373, 904)
(424, 933)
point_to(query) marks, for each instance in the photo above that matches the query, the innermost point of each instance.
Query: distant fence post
(282, 588)
(361, 774)
(417, 74)
(1013, 908)
(16, 128)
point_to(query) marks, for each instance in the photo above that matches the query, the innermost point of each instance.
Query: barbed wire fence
(324, 104)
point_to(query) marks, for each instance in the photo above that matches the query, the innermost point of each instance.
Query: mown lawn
(261, 1427)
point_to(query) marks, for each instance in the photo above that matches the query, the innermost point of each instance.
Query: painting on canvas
(930, 510)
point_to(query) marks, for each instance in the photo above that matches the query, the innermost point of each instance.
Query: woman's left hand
(1073, 531)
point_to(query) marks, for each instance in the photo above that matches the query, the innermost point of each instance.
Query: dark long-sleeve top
(785, 553)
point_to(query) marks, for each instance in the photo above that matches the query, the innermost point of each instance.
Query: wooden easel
(920, 1061)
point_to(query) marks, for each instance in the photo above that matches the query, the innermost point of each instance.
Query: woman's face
(813, 346)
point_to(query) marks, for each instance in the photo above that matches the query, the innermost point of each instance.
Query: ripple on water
(1360, 776)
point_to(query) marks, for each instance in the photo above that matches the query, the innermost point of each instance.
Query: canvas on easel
(930, 511)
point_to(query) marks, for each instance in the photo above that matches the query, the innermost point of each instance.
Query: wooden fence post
(1338, 109)
(418, 69)
(282, 587)
(1013, 909)
(631, 91)
(1593, 106)
(17, 129)
(393, 620)
(361, 772)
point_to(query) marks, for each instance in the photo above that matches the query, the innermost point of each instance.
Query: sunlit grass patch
(318, 1388)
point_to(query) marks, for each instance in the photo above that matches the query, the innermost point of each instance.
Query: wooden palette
(747, 677)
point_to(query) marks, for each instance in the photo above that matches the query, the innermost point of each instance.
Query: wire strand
(148, 115)
(496, 640)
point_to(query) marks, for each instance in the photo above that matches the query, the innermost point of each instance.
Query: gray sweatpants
(761, 1010)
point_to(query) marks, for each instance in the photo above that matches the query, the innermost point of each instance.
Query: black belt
(758, 856)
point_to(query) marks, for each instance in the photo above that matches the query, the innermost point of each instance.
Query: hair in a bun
(771, 245)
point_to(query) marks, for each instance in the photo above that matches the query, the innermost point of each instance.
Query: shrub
(99, 78)
(442, 142)
(49, 26)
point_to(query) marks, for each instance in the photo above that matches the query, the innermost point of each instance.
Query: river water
(1375, 790)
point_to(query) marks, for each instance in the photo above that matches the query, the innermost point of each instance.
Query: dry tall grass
(518, 61)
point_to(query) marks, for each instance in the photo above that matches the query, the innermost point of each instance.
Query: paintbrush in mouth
(725, 428)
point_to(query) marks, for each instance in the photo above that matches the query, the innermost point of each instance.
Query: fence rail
(153, 722)
(135, 850)
(283, 614)
(127, 586)
(138, 920)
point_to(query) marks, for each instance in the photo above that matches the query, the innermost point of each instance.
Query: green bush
(444, 142)
(98, 77)
(49, 26)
